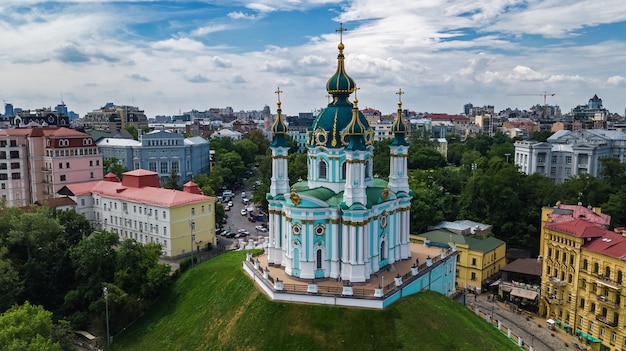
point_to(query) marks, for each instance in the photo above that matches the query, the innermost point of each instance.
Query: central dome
(329, 126)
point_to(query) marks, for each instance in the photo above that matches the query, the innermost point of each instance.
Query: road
(236, 221)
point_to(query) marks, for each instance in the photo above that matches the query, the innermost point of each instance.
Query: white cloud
(615, 80)
(179, 44)
(240, 15)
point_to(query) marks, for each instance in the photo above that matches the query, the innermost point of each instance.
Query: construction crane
(545, 94)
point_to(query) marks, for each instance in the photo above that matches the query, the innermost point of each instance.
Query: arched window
(382, 251)
(607, 272)
(319, 259)
(619, 277)
(322, 171)
(596, 267)
(367, 169)
(343, 170)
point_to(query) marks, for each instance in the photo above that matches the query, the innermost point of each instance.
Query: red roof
(446, 117)
(578, 211)
(611, 244)
(578, 227)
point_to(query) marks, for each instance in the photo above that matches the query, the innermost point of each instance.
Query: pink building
(35, 162)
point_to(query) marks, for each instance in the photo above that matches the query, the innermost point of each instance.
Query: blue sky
(171, 56)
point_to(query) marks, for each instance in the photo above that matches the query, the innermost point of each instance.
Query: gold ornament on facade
(321, 137)
(294, 197)
(320, 229)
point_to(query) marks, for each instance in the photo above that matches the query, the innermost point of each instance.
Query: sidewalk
(531, 328)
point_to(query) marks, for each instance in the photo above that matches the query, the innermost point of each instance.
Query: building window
(473, 261)
(585, 264)
(568, 160)
(152, 166)
(319, 259)
(582, 303)
(596, 268)
(619, 273)
(62, 177)
(97, 162)
(570, 278)
(322, 170)
(91, 163)
(164, 167)
(91, 175)
(613, 336)
(193, 210)
(67, 164)
(593, 307)
(607, 272)
(473, 275)
(60, 165)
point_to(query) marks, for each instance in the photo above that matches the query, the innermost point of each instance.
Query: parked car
(230, 204)
(251, 219)
(244, 212)
(226, 208)
(261, 228)
(242, 234)
(243, 194)
(230, 235)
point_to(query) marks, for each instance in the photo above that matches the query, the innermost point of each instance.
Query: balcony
(553, 300)
(605, 301)
(608, 282)
(46, 169)
(604, 320)
(557, 282)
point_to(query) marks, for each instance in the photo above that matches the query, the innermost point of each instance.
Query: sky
(168, 57)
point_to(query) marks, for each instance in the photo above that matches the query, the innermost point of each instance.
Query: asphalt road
(236, 221)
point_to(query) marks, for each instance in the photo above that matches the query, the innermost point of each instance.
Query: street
(236, 221)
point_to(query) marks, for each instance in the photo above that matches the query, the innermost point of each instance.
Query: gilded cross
(341, 30)
(400, 93)
(278, 91)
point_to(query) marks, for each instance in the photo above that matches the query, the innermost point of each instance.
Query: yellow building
(582, 276)
(478, 259)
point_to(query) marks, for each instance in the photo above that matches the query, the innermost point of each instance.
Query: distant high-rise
(8, 109)
(467, 108)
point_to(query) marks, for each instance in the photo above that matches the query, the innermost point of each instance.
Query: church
(342, 222)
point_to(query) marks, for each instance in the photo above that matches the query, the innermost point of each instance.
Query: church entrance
(383, 255)
(319, 272)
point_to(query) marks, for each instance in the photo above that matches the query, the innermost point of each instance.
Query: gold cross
(400, 93)
(278, 91)
(355, 90)
(341, 30)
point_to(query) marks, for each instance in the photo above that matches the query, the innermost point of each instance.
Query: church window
(343, 170)
(382, 251)
(319, 229)
(295, 229)
(322, 170)
(319, 259)
(367, 169)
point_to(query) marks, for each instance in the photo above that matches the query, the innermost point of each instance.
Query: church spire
(399, 127)
(279, 128)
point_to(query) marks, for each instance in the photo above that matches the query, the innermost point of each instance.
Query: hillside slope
(215, 306)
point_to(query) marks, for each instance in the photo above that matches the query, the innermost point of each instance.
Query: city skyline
(171, 56)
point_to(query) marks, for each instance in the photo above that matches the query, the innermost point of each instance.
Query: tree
(172, 181)
(259, 139)
(219, 213)
(381, 157)
(132, 130)
(114, 166)
(29, 327)
(425, 158)
(10, 284)
(298, 168)
(231, 167)
(614, 171)
(615, 207)
(248, 150)
(138, 271)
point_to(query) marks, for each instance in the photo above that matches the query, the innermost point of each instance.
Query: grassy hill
(215, 306)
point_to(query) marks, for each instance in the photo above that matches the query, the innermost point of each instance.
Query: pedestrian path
(531, 328)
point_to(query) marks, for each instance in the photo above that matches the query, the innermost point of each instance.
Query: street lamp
(192, 225)
(106, 302)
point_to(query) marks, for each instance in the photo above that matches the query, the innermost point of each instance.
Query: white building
(568, 153)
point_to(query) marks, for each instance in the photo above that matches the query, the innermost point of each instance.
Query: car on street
(230, 204)
(251, 219)
(243, 194)
(226, 208)
(260, 228)
(242, 234)
(244, 212)
(230, 235)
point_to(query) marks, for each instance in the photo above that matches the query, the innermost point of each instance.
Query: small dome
(340, 82)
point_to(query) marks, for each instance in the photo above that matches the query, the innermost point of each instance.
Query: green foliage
(248, 150)
(230, 167)
(425, 158)
(172, 181)
(541, 136)
(256, 136)
(10, 284)
(132, 130)
(614, 171)
(381, 158)
(298, 167)
(615, 207)
(27, 327)
(138, 270)
(216, 307)
(114, 166)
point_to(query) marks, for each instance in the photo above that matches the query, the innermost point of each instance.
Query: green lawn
(215, 306)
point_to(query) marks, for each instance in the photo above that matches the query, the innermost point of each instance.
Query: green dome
(329, 128)
(399, 128)
(279, 128)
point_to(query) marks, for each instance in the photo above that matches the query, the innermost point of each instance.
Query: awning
(566, 326)
(526, 294)
(589, 337)
(85, 334)
(496, 283)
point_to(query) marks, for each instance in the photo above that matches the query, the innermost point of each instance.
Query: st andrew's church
(342, 222)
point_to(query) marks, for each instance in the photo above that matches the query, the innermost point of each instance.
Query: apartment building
(138, 208)
(567, 153)
(35, 162)
(583, 275)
